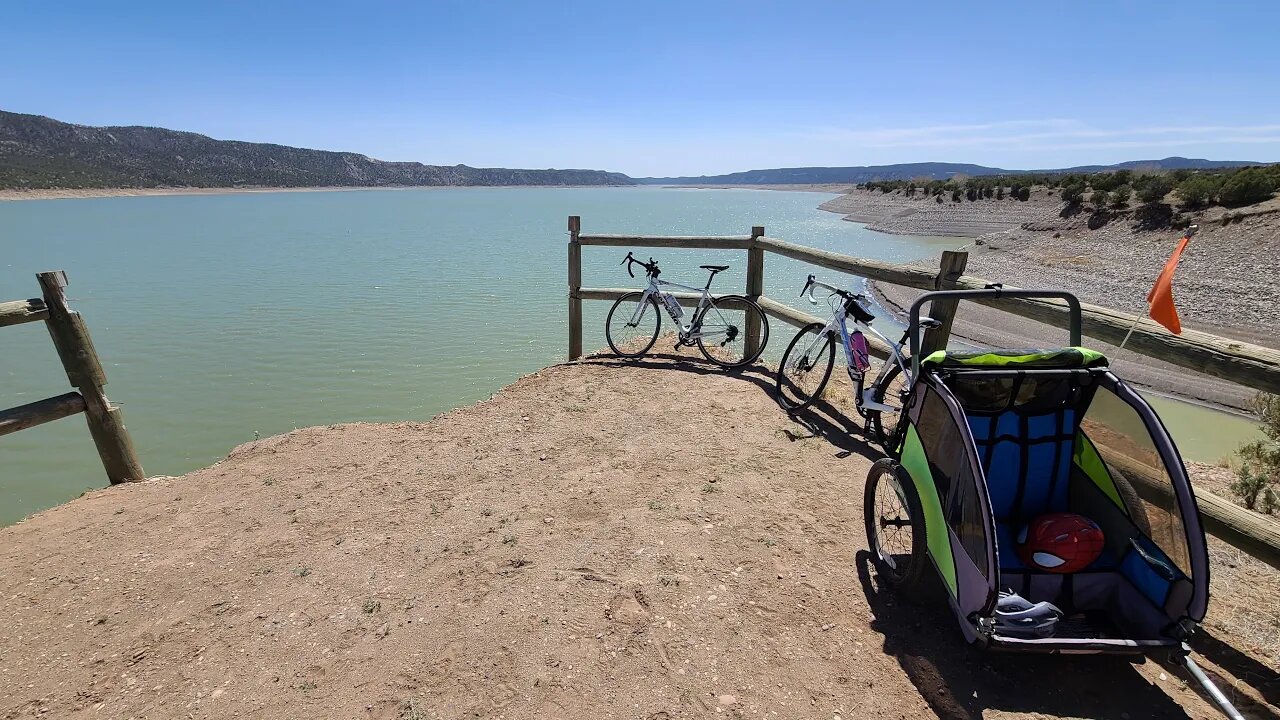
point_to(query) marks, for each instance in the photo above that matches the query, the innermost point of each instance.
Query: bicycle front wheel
(805, 367)
(632, 325)
(722, 331)
(891, 389)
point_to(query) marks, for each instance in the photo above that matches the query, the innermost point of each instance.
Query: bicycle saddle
(715, 268)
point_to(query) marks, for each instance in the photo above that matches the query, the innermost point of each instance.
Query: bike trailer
(990, 443)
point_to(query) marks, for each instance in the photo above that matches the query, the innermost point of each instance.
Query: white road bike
(718, 325)
(806, 365)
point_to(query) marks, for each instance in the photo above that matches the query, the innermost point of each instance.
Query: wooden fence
(84, 371)
(1239, 362)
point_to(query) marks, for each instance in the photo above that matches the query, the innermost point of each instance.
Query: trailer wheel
(895, 528)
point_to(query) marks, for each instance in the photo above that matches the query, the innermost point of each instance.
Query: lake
(220, 318)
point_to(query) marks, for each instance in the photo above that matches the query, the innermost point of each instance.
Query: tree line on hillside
(1111, 190)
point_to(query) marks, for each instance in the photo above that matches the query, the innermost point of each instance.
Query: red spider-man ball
(1060, 542)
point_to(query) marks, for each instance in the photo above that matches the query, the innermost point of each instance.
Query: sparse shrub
(1100, 199)
(1258, 483)
(1152, 188)
(1245, 187)
(955, 195)
(1000, 192)
(1120, 196)
(1108, 181)
(1197, 191)
(1023, 193)
(1073, 194)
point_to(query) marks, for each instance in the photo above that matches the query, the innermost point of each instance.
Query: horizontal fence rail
(1242, 363)
(84, 371)
(22, 311)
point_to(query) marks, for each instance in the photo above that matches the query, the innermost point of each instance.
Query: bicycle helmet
(1060, 543)
(1018, 617)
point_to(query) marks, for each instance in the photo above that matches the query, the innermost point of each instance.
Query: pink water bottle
(859, 352)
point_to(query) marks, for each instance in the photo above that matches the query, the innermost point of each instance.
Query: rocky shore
(1226, 284)
(899, 215)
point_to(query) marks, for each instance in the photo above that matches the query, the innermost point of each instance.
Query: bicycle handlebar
(650, 267)
(814, 282)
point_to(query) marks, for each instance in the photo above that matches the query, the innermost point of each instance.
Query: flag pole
(1191, 231)
(1130, 333)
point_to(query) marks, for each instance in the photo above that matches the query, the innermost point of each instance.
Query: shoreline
(86, 193)
(894, 214)
(834, 188)
(12, 195)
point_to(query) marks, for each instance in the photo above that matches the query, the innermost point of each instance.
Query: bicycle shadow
(958, 681)
(822, 419)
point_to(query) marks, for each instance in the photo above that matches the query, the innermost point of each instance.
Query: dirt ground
(602, 539)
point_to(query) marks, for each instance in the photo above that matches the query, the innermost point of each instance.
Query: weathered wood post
(84, 371)
(575, 285)
(950, 268)
(755, 287)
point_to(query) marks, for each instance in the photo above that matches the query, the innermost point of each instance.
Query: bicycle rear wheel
(631, 328)
(891, 389)
(805, 367)
(722, 331)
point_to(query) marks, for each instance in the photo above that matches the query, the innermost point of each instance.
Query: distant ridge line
(931, 170)
(40, 153)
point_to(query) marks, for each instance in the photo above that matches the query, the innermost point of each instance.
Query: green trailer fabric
(1069, 357)
(939, 543)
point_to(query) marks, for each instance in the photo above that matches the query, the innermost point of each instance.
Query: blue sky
(666, 88)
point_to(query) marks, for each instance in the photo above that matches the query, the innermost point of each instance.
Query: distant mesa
(911, 171)
(38, 153)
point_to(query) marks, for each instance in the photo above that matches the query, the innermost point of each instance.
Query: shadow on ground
(961, 682)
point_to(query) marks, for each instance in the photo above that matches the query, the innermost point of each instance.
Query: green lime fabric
(1086, 458)
(1069, 357)
(935, 526)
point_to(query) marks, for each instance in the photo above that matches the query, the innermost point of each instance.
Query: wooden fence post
(755, 288)
(950, 268)
(575, 285)
(84, 371)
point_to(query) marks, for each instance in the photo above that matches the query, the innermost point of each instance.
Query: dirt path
(574, 547)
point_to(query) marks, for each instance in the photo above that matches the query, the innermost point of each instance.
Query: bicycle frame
(687, 332)
(838, 327)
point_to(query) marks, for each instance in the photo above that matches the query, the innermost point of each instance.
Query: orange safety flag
(1160, 300)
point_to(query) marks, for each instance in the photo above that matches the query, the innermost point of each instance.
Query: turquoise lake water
(219, 317)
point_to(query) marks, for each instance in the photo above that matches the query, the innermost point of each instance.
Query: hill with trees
(37, 152)
(1154, 197)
